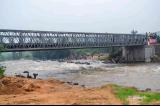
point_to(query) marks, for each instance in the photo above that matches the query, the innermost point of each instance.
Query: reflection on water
(96, 74)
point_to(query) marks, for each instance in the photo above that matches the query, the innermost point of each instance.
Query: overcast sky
(114, 16)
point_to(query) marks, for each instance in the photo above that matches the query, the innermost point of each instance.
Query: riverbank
(14, 90)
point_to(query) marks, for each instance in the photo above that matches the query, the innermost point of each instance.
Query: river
(141, 76)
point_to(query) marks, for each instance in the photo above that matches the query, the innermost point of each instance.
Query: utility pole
(134, 32)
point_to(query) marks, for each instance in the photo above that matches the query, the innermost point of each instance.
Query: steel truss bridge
(30, 40)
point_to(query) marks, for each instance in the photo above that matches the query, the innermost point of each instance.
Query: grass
(150, 97)
(123, 93)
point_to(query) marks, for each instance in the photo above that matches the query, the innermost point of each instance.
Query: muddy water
(96, 74)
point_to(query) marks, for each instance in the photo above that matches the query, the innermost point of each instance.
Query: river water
(141, 76)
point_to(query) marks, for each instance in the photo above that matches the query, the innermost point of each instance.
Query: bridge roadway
(30, 40)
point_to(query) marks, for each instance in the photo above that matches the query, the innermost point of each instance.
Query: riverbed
(95, 74)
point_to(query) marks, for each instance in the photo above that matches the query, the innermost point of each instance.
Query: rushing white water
(96, 74)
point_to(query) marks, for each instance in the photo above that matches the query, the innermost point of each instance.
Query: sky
(112, 16)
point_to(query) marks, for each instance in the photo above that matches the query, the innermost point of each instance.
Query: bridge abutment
(149, 53)
(138, 53)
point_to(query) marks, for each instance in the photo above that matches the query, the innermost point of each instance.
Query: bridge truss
(28, 40)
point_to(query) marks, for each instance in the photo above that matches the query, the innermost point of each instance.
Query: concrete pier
(149, 53)
(138, 53)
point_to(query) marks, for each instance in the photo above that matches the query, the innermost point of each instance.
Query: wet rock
(87, 63)
(68, 82)
(75, 84)
(77, 62)
(27, 72)
(83, 86)
(142, 90)
(35, 75)
(21, 76)
(72, 83)
(148, 89)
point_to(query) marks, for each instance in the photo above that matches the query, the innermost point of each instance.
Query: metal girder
(23, 40)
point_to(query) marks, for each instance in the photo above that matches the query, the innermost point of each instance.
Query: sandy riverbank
(15, 90)
(28, 91)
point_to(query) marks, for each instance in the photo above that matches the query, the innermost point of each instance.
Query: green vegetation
(150, 97)
(1, 47)
(90, 51)
(123, 93)
(2, 70)
(104, 57)
(52, 54)
(158, 37)
(101, 53)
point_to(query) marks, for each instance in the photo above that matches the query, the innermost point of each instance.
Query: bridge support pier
(149, 53)
(138, 53)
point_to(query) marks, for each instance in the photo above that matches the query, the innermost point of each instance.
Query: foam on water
(96, 74)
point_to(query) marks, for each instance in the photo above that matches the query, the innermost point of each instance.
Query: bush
(2, 47)
(2, 70)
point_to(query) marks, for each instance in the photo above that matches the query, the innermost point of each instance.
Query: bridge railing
(23, 39)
